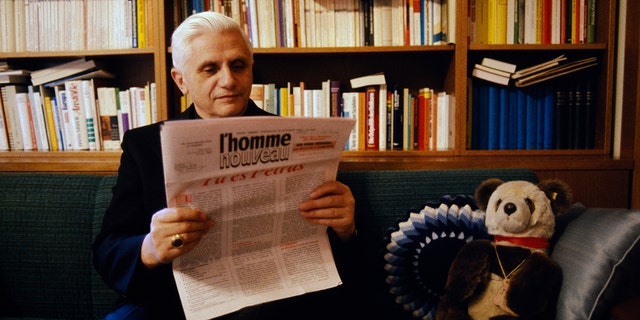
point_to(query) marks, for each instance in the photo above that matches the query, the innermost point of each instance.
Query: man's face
(217, 74)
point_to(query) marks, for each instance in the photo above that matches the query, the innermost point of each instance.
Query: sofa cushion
(597, 250)
(45, 261)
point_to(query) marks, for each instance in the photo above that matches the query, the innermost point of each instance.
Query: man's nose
(226, 77)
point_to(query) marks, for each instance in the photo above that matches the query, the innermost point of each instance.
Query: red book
(546, 21)
(424, 118)
(372, 116)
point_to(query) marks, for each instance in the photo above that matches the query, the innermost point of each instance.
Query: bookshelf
(442, 67)
(132, 67)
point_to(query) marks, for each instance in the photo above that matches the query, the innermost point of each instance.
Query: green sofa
(48, 222)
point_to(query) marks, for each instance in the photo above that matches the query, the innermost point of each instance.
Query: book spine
(422, 118)
(512, 114)
(591, 21)
(397, 119)
(142, 23)
(77, 115)
(334, 87)
(4, 138)
(503, 108)
(531, 121)
(13, 121)
(493, 125)
(37, 117)
(25, 121)
(372, 118)
(382, 117)
(51, 123)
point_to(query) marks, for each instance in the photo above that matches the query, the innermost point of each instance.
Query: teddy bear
(510, 275)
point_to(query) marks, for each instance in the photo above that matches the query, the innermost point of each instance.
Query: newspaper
(249, 174)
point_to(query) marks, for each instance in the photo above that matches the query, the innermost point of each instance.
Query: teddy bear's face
(519, 208)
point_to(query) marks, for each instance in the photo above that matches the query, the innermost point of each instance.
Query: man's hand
(331, 204)
(188, 223)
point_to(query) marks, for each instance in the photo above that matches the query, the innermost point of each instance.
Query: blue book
(513, 119)
(521, 119)
(503, 127)
(531, 120)
(398, 121)
(549, 106)
(493, 117)
(540, 118)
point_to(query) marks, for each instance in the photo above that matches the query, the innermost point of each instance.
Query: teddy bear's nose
(510, 208)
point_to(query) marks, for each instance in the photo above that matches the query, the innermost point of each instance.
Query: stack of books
(13, 76)
(79, 69)
(551, 69)
(501, 72)
(495, 71)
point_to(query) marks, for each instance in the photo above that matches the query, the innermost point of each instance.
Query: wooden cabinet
(591, 171)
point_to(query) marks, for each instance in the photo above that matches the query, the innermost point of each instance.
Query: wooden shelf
(107, 162)
(441, 67)
(101, 162)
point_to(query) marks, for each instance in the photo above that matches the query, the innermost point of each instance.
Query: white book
(489, 76)
(307, 103)
(350, 110)
(511, 20)
(451, 21)
(153, 99)
(88, 101)
(269, 92)
(124, 114)
(108, 110)
(398, 24)
(530, 16)
(319, 107)
(499, 65)
(4, 138)
(445, 115)
(253, 23)
(140, 103)
(37, 116)
(382, 117)
(26, 124)
(556, 25)
(14, 134)
(69, 135)
(77, 113)
(368, 80)
(302, 36)
(297, 102)
(266, 24)
(492, 70)
(19, 25)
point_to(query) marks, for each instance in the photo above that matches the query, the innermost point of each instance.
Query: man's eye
(239, 66)
(209, 70)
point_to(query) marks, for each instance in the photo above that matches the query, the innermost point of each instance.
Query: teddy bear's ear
(559, 193)
(484, 191)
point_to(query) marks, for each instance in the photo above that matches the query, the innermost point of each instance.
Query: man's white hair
(196, 25)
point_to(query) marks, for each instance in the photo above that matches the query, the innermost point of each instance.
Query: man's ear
(179, 80)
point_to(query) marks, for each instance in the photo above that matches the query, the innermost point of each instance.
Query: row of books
(51, 25)
(503, 73)
(536, 117)
(532, 21)
(334, 23)
(73, 116)
(388, 117)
